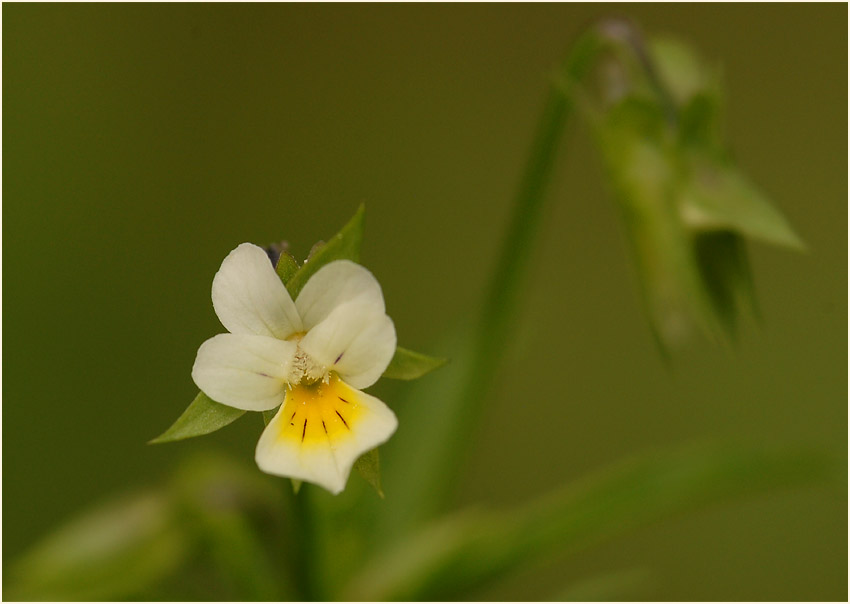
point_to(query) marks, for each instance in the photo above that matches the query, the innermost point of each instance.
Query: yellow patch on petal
(314, 414)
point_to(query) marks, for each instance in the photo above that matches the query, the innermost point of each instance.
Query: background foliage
(143, 142)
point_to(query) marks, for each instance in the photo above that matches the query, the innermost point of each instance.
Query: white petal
(320, 431)
(355, 340)
(246, 372)
(335, 283)
(249, 297)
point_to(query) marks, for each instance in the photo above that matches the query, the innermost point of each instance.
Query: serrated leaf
(345, 245)
(368, 466)
(409, 365)
(450, 557)
(202, 416)
(286, 267)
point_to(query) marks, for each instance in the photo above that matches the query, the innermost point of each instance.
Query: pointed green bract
(268, 416)
(345, 245)
(286, 267)
(721, 198)
(202, 416)
(368, 466)
(409, 365)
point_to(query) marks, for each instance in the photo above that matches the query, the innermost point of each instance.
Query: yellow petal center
(319, 412)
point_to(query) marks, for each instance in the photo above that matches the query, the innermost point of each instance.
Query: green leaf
(450, 557)
(286, 267)
(409, 365)
(202, 416)
(368, 466)
(345, 245)
(114, 552)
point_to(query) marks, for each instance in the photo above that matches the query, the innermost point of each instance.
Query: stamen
(342, 399)
(324, 427)
(304, 431)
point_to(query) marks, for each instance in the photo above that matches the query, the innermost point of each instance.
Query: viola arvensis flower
(312, 357)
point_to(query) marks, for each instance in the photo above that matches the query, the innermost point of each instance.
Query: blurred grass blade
(234, 512)
(202, 416)
(238, 555)
(114, 552)
(621, 585)
(345, 245)
(424, 451)
(409, 365)
(449, 558)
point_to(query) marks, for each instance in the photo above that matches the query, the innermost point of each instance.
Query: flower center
(305, 369)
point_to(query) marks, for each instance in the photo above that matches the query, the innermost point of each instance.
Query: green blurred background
(143, 142)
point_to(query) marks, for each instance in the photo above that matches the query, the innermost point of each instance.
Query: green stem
(303, 529)
(501, 303)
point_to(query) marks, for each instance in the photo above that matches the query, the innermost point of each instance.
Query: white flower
(311, 357)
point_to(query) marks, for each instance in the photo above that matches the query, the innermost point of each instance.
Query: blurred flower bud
(656, 112)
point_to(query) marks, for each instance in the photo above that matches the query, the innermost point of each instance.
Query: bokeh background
(141, 143)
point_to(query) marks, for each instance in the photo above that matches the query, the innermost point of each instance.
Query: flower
(312, 357)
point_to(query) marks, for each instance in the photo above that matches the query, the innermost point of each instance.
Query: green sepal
(719, 197)
(345, 245)
(286, 267)
(368, 466)
(409, 365)
(296, 485)
(268, 416)
(726, 276)
(202, 416)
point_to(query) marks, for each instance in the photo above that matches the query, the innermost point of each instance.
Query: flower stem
(303, 530)
(501, 302)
